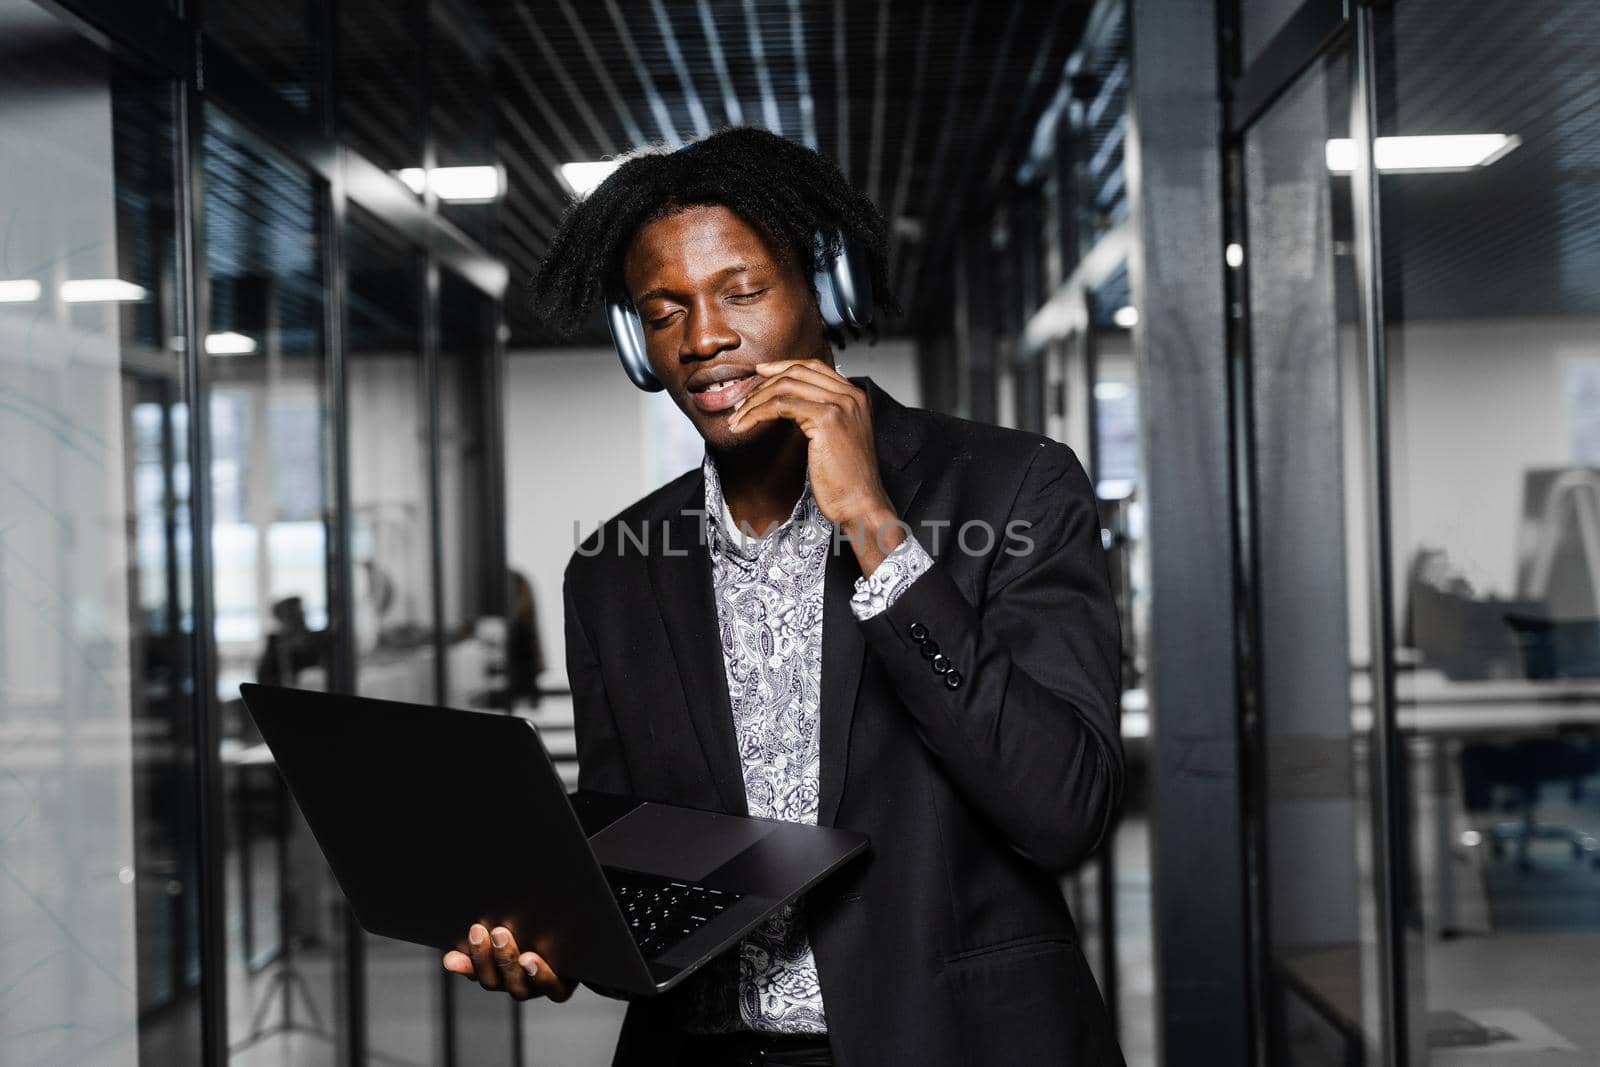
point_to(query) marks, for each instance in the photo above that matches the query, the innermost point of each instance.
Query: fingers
(812, 370)
(482, 954)
(493, 960)
(513, 979)
(813, 364)
(786, 398)
(545, 982)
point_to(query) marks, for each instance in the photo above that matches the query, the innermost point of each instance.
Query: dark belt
(750, 1049)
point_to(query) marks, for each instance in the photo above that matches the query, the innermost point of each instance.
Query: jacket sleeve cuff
(904, 564)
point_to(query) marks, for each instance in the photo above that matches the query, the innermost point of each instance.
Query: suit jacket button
(952, 679)
(940, 664)
(919, 632)
(930, 648)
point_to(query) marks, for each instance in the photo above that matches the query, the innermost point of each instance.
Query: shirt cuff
(904, 564)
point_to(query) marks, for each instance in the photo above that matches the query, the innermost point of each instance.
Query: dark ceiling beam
(602, 139)
(1110, 94)
(669, 38)
(950, 217)
(880, 101)
(530, 230)
(658, 106)
(841, 85)
(758, 59)
(538, 185)
(602, 75)
(1046, 65)
(908, 135)
(802, 76)
(719, 63)
(549, 189)
(576, 152)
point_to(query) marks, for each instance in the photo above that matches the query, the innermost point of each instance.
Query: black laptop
(435, 818)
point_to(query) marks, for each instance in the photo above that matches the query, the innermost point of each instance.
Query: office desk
(1426, 703)
(1437, 710)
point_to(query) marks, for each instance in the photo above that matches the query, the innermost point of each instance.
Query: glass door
(1313, 760)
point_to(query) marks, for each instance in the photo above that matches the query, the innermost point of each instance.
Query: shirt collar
(725, 535)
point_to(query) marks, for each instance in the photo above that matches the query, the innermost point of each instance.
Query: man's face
(716, 299)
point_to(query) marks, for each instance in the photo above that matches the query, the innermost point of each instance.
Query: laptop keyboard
(662, 912)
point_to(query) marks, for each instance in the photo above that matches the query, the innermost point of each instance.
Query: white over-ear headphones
(844, 296)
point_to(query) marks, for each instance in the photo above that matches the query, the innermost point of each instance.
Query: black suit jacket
(951, 942)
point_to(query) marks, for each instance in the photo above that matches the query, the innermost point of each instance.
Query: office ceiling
(1520, 237)
(927, 106)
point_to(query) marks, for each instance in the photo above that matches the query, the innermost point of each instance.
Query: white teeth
(717, 387)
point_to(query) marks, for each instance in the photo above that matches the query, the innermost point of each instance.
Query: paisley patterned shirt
(769, 597)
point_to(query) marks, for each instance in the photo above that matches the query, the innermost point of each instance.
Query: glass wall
(175, 297)
(269, 413)
(1426, 553)
(99, 871)
(392, 588)
(1487, 166)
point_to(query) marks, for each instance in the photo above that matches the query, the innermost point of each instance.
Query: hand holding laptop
(492, 960)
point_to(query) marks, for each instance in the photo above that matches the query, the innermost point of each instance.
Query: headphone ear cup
(828, 299)
(844, 287)
(627, 333)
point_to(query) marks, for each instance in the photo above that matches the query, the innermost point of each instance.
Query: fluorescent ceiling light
(102, 291)
(1127, 316)
(458, 185)
(585, 178)
(1114, 488)
(228, 343)
(1443, 154)
(19, 291)
(1234, 255)
(1112, 390)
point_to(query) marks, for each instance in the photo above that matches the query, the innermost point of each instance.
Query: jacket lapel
(684, 595)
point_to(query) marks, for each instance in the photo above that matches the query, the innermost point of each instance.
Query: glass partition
(1313, 759)
(99, 861)
(1491, 226)
(473, 592)
(391, 533)
(270, 535)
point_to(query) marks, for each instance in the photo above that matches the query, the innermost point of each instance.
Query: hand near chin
(835, 414)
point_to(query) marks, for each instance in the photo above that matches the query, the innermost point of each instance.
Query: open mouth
(720, 396)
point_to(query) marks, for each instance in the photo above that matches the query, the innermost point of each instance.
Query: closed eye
(750, 297)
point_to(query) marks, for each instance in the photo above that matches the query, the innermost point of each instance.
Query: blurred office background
(1312, 288)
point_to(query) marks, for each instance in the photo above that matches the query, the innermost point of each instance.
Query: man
(942, 673)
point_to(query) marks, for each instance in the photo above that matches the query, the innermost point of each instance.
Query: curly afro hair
(784, 189)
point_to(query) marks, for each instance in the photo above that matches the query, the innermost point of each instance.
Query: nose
(705, 333)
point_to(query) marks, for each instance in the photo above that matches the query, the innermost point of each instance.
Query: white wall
(582, 444)
(1473, 406)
